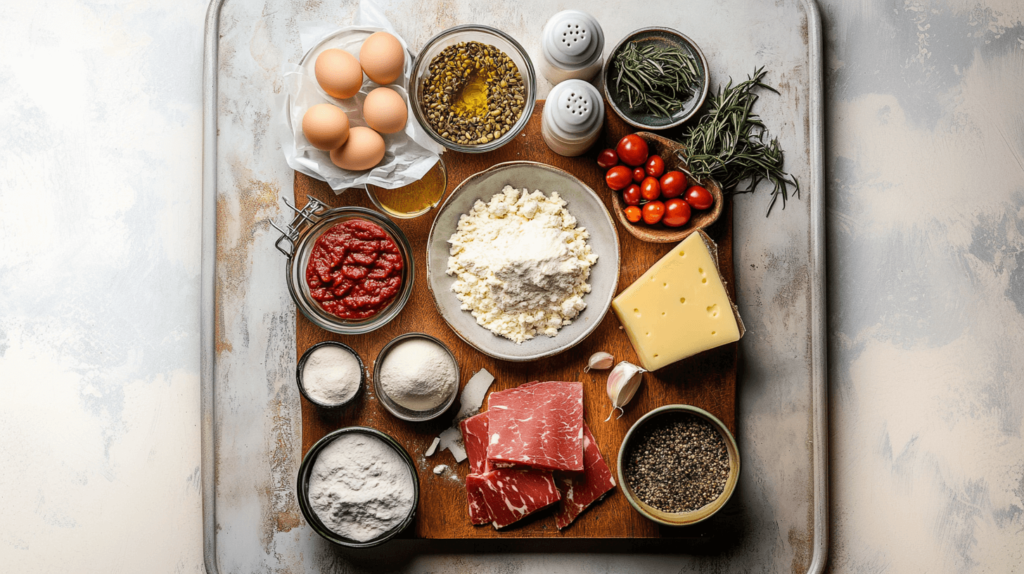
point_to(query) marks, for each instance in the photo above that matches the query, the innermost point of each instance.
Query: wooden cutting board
(707, 380)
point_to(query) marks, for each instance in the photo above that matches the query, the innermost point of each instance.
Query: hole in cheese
(682, 300)
(714, 332)
(704, 280)
(682, 254)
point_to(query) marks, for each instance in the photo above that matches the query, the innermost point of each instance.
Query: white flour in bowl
(521, 264)
(360, 487)
(331, 375)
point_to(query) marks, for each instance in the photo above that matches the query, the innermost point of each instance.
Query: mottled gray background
(100, 158)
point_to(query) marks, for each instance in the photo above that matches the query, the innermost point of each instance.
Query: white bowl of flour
(358, 487)
(330, 374)
(416, 377)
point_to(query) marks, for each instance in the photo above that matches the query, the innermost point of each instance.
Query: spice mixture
(474, 93)
(678, 464)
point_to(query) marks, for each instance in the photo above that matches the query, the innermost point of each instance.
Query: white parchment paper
(409, 154)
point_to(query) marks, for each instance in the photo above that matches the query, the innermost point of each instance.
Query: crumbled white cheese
(521, 264)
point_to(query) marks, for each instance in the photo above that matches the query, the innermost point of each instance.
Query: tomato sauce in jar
(354, 269)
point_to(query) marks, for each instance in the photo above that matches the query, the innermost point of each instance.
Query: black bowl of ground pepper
(678, 465)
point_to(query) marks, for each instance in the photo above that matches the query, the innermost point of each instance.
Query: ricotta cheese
(521, 264)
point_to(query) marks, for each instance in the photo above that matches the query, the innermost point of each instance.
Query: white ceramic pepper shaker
(572, 118)
(573, 43)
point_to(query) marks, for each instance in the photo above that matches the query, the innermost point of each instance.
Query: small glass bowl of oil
(415, 199)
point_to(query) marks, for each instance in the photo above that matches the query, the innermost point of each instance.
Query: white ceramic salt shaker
(572, 118)
(572, 43)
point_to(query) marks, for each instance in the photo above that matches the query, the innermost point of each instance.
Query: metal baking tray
(251, 427)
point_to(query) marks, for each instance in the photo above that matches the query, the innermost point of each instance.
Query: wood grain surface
(707, 380)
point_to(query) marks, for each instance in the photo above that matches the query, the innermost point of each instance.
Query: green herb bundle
(730, 144)
(653, 78)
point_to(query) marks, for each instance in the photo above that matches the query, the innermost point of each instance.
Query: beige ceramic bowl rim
(705, 85)
(695, 516)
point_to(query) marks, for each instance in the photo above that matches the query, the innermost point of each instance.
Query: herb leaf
(728, 144)
(654, 79)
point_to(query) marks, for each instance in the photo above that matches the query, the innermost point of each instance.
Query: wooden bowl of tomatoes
(653, 197)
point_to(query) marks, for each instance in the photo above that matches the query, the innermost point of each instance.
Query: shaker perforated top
(576, 108)
(573, 39)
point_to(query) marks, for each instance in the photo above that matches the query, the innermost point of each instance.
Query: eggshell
(382, 57)
(325, 126)
(363, 150)
(384, 110)
(338, 73)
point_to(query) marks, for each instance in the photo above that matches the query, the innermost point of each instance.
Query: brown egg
(338, 73)
(382, 57)
(363, 150)
(384, 110)
(325, 126)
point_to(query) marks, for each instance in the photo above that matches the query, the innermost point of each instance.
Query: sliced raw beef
(478, 513)
(539, 425)
(474, 436)
(580, 490)
(511, 494)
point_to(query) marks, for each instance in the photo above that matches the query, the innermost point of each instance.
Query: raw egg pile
(340, 75)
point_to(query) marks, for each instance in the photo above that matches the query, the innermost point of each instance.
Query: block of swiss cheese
(679, 307)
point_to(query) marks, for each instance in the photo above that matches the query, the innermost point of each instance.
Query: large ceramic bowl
(485, 35)
(590, 213)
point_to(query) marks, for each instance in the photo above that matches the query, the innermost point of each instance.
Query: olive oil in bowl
(415, 199)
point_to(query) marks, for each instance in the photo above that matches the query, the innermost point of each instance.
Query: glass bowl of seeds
(678, 465)
(473, 88)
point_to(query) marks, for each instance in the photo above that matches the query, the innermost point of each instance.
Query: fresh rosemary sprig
(728, 144)
(654, 78)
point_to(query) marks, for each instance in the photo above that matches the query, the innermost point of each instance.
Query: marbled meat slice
(580, 490)
(478, 513)
(474, 436)
(539, 425)
(511, 494)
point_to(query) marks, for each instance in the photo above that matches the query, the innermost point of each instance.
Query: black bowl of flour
(385, 502)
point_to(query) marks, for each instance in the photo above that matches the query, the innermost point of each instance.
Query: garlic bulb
(623, 382)
(599, 361)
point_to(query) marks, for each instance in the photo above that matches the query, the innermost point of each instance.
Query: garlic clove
(623, 382)
(599, 361)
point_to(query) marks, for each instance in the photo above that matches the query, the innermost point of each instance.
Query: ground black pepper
(678, 463)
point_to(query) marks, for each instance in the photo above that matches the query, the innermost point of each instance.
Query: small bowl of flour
(330, 374)
(416, 377)
(358, 487)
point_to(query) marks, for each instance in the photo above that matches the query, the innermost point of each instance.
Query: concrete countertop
(100, 182)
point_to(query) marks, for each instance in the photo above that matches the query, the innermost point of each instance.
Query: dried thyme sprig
(728, 144)
(653, 78)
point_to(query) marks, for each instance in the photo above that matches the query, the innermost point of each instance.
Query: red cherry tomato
(650, 189)
(607, 158)
(639, 174)
(699, 198)
(655, 166)
(673, 184)
(632, 213)
(632, 150)
(677, 213)
(618, 177)
(631, 195)
(653, 212)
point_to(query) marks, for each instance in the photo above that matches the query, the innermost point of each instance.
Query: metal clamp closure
(308, 215)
